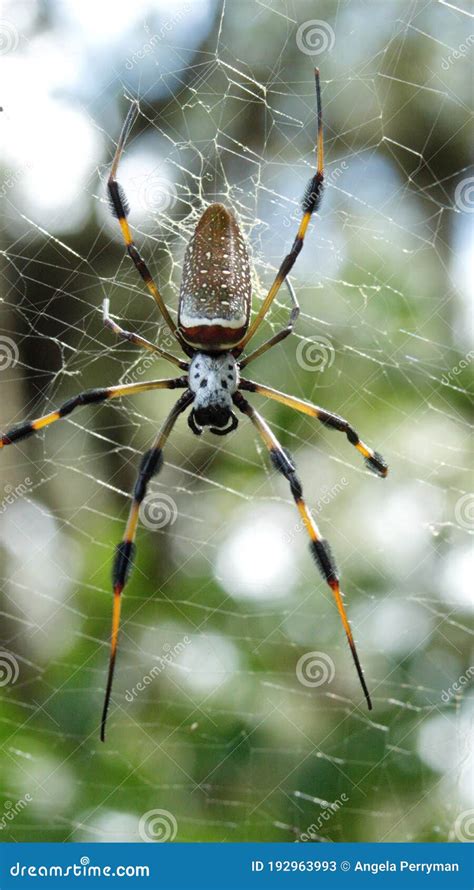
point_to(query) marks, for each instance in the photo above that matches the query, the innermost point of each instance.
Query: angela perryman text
(405, 865)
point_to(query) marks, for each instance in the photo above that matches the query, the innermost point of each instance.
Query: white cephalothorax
(213, 379)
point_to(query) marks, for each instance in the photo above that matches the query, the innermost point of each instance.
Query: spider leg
(311, 202)
(374, 461)
(137, 339)
(319, 546)
(120, 209)
(90, 396)
(151, 464)
(280, 335)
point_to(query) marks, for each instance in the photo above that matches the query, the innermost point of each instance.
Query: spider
(213, 329)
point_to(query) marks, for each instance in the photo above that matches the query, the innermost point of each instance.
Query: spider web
(236, 711)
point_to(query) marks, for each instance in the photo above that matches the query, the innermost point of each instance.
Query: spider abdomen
(215, 295)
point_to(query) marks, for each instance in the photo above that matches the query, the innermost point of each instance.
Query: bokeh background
(248, 722)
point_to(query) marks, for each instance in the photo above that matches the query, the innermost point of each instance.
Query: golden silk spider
(212, 330)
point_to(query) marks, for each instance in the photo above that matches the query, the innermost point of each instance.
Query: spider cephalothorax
(213, 379)
(213, 330)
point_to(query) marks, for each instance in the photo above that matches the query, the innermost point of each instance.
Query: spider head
(220, 420)
(212, 415)
(213, 379)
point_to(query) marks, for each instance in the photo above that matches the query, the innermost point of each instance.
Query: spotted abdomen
(215, 295)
